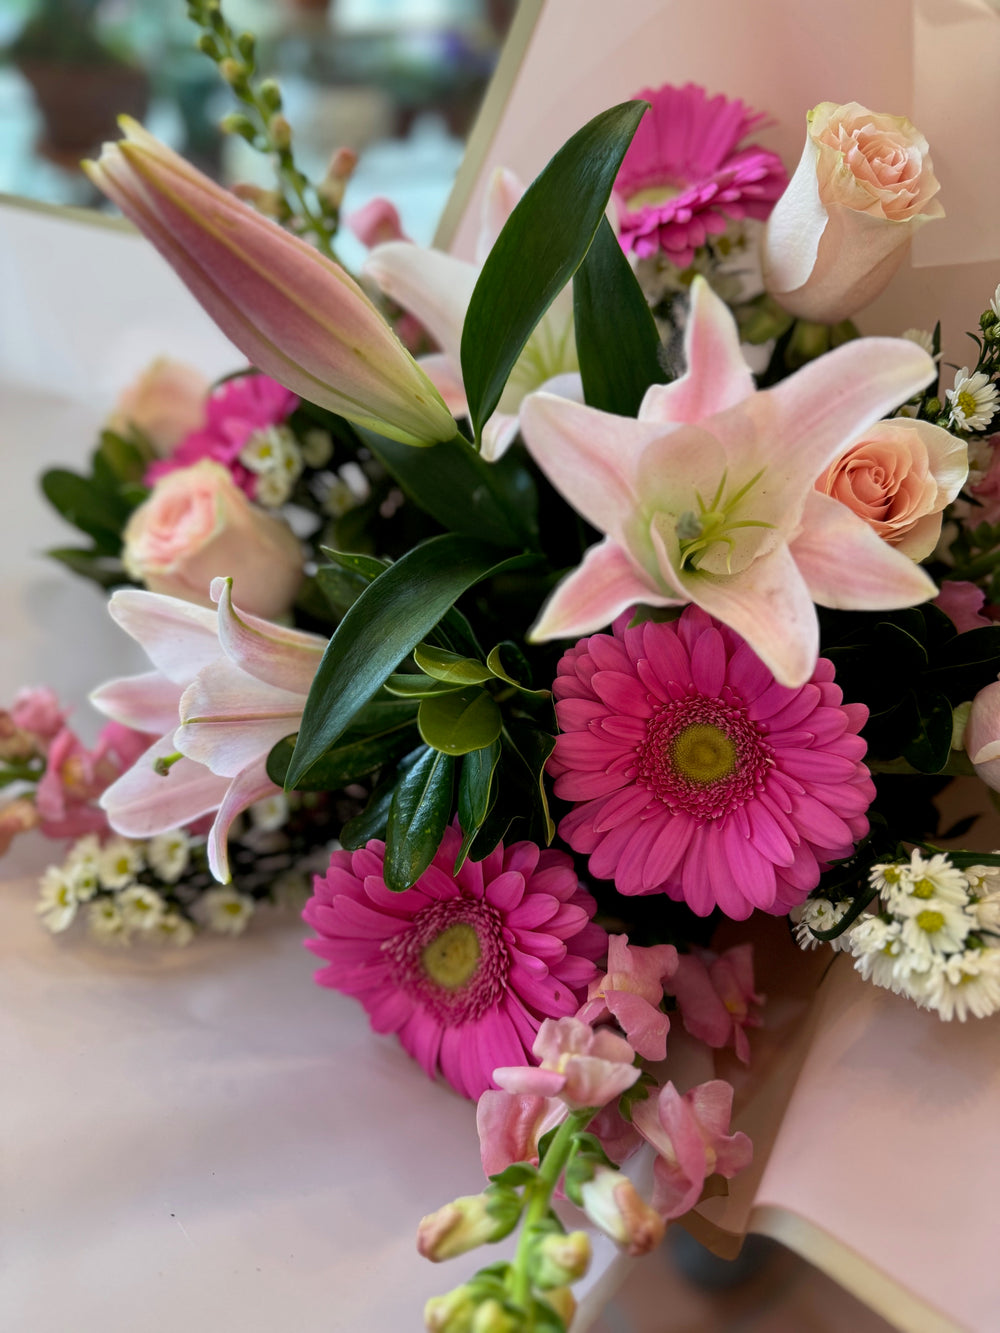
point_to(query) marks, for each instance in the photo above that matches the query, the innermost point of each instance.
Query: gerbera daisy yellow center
(966, 403)
(452, 958)
(703, 753)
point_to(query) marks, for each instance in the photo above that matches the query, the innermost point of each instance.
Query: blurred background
(398, 81)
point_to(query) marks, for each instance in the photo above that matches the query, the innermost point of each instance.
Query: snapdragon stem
(539, 1195)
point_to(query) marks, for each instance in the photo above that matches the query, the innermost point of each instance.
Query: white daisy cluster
(972, 401)
(107, 885)
(936, 938)
(274, 455)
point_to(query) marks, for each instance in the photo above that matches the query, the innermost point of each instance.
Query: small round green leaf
(450, 667)
(459, 722)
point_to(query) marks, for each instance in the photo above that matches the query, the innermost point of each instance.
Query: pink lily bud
(297, 316)
(616, 1207)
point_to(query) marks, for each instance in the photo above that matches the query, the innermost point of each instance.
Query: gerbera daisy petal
(726, 799)
(463, 968)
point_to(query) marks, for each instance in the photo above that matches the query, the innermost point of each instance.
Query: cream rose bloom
(863, 186)
(899, 477)
(198, 525)
(166, 403)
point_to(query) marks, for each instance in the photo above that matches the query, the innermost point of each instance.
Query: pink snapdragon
(75, 777)
(511, 1124)
(631, 991)
(616, 1207)
(962, 603)
(715, 996)
(581, 1066)
(36, 709)
(691, 1138)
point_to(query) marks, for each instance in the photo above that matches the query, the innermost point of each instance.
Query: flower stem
(539, 1196)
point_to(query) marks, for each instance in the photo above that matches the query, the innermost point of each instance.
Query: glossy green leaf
(495, 662)
(475, 794)
(449, 667)
(356, 757)
(394, 613)
(98, 513)
(416, 685)
(418, 816)
(463, 720)
(617, 341)
(537, 253)
(929, 748)
(125, 460)
(372, 821)
(355, 562)
(496, 502)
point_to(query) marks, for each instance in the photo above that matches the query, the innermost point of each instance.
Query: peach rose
(198, 525)
(166, 403)
(898, 477)
(863, 185)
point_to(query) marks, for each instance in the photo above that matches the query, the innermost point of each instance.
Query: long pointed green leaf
(394, 613)
(617, 342)
(475, 789)
(418, 817)
(537, 253)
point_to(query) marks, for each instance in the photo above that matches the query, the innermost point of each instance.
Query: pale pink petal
(178, 637)
(147, 703)
(503, 191)
(228, 719)
(848, 566)
(251, 785)
(645, 1026)
(446, 377)
(606, 584)
(434, 286)
(716, 375)
(281, 657)
(510, 1126)
(499, 434)
(142, 803)
(528, 1081)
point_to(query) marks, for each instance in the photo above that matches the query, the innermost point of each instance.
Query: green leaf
(100, 515)
(533, 748)
(496, 664)
(537, 253)
(929, 748)
(392, 615)
(340, 587)
(461, 721)
(415, 685)
(496, 502)
(451, 668)
(123, 458)
(475, 793)
(355, 758)
(518, 1173)
(520, 798)
(368, 567)
(105, 570)
(418, 816)
(372, 821)
(617, 341)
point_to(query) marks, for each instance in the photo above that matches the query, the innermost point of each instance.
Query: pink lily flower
(715, 998)
(297, 316)
(581, 1066)
(436, 288)
(630, 991)
(690, 1135)
(709, 496)
(227, 687)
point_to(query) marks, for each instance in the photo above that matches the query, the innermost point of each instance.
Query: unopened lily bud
(615, 1206)
(280, 132)
(491, 1317)
(562, 1300)
(475, 1219)
(558, 1260)
(451, 1313)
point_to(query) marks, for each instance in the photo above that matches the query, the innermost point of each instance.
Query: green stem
(539, 1196)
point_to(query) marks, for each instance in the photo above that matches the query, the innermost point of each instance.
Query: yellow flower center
(453, 956)
(966, 403)
(703, 753)
(930, 921)
(924, 888)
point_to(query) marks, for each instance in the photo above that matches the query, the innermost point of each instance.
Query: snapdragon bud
(558, 1260)
(451, 1313)
(615, 1206)
(475, 1219)
(562, 1300)
(491, 1317)
(281, 132)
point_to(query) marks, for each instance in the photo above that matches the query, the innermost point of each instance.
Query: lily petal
(606, 584)
(717, 376)
(251, 785)
(503, 193)
(145, 703)
(228, 719)
(444, 374)
(434, 286)
(287, 659)
(178, 637)
(142, 803)
(867, 573)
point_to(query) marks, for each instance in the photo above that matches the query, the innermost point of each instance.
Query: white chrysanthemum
(56, 900)
(276, 458)
(271, 813)
(85, 851)
(983, 880)
(923, 339)
(928, 879)
(317, 448)
(168, 854)
(939, 927)
(120, 861)
(986, 912)
(172, 928)
(887, 876)
(339, 499)
(966, 983)
(106, 923)
(995, 302)
(83, 876)
(141, 907)
(227, 911)
(819, 914)
(973, 400)
(876, 946)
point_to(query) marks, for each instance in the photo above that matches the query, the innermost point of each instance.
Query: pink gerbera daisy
(697, 774)
(237, 410)
(463, 968)
(684, 173)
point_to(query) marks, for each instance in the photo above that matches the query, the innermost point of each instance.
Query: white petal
(178, 637)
